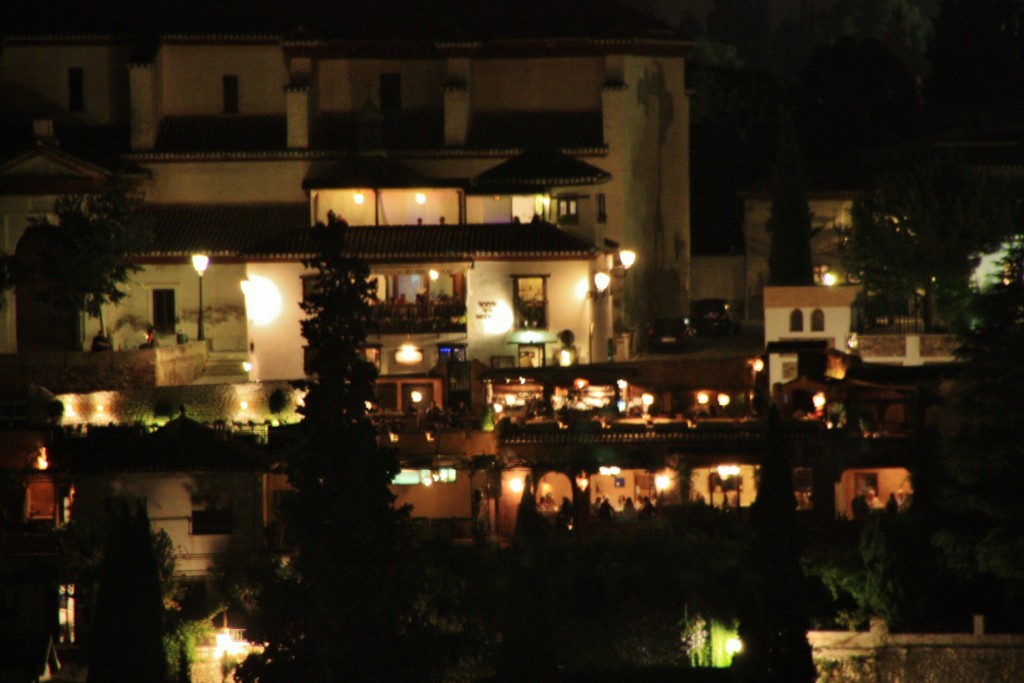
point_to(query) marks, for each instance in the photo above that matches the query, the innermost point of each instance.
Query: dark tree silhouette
(773, 616)
(126, 643)
(789, 262)
(339, 609)
(983, 532)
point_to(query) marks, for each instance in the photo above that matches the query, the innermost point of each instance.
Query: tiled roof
(219, 229)
(366, 171)
(227, 133)
(281, 231)
(541, 168)
(182, 445)
(523, 130)
(438, 242)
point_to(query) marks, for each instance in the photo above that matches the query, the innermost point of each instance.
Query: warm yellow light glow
(601, 280)
(244, 405)
(609, 471)
(430, 436)
(41, 461)
(516, 485)
(828, 279)
(545, 201)
(733, 646)
(565, 357)
(724, 400)
(621, 384)
(263, 301)
(426, 481)
(392, 437)
(580, 383)
(647, 400)
(510, 399)
(358, 198)
(226, 646)
(500, 319)
(627, 257)
(583, 289)
(416, 396)
(408, 354)
(757, 364)
(433, 275)
(247, 366)
(99, 408)
(725, 471)
(582, 481)
(421, 198)
(662, 481)
(819, 400)
(200, 263)
(703, 398)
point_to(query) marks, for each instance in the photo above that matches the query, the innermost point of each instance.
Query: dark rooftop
(282, 231)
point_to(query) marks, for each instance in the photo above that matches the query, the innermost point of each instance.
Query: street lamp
(200, 262)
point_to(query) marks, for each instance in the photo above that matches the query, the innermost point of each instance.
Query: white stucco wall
(191, 77)
(168, 499)
(42, 66)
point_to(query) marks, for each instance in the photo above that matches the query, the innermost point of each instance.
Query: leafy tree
(94, 241)
(919, 233)
(338, 611)
(773, 616)
(127, 637)
(789, 262)
(984, 532)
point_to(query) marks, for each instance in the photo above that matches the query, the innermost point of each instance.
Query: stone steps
(223, 367)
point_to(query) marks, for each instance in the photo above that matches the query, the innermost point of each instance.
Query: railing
(429, 316)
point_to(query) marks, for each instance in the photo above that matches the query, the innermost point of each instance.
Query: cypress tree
(773, 616)
(337, 612)
(127, 637)
(789, 262)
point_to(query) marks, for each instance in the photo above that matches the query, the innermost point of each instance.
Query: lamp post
(200, 262)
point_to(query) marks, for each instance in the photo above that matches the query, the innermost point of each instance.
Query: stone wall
(877, 656)
(84, 371)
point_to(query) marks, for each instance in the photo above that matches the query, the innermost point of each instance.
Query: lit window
(568, 210)
(530, 301)
(66, 612)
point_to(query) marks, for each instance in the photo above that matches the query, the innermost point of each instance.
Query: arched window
(796, 320)
(818, 320)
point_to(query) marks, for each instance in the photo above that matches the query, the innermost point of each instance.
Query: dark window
(818, 320)
(796, 320)
(163, 311)
(231, 94)
(212, 521)
(568, 210)
(602, 209)
(391, 91)
(76, 89)
(530, 298)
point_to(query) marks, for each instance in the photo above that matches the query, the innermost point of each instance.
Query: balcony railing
(392, 317)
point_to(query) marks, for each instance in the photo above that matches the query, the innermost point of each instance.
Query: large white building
(489, 166)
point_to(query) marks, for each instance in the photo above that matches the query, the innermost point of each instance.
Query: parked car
(670, 334)
(714, 317)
